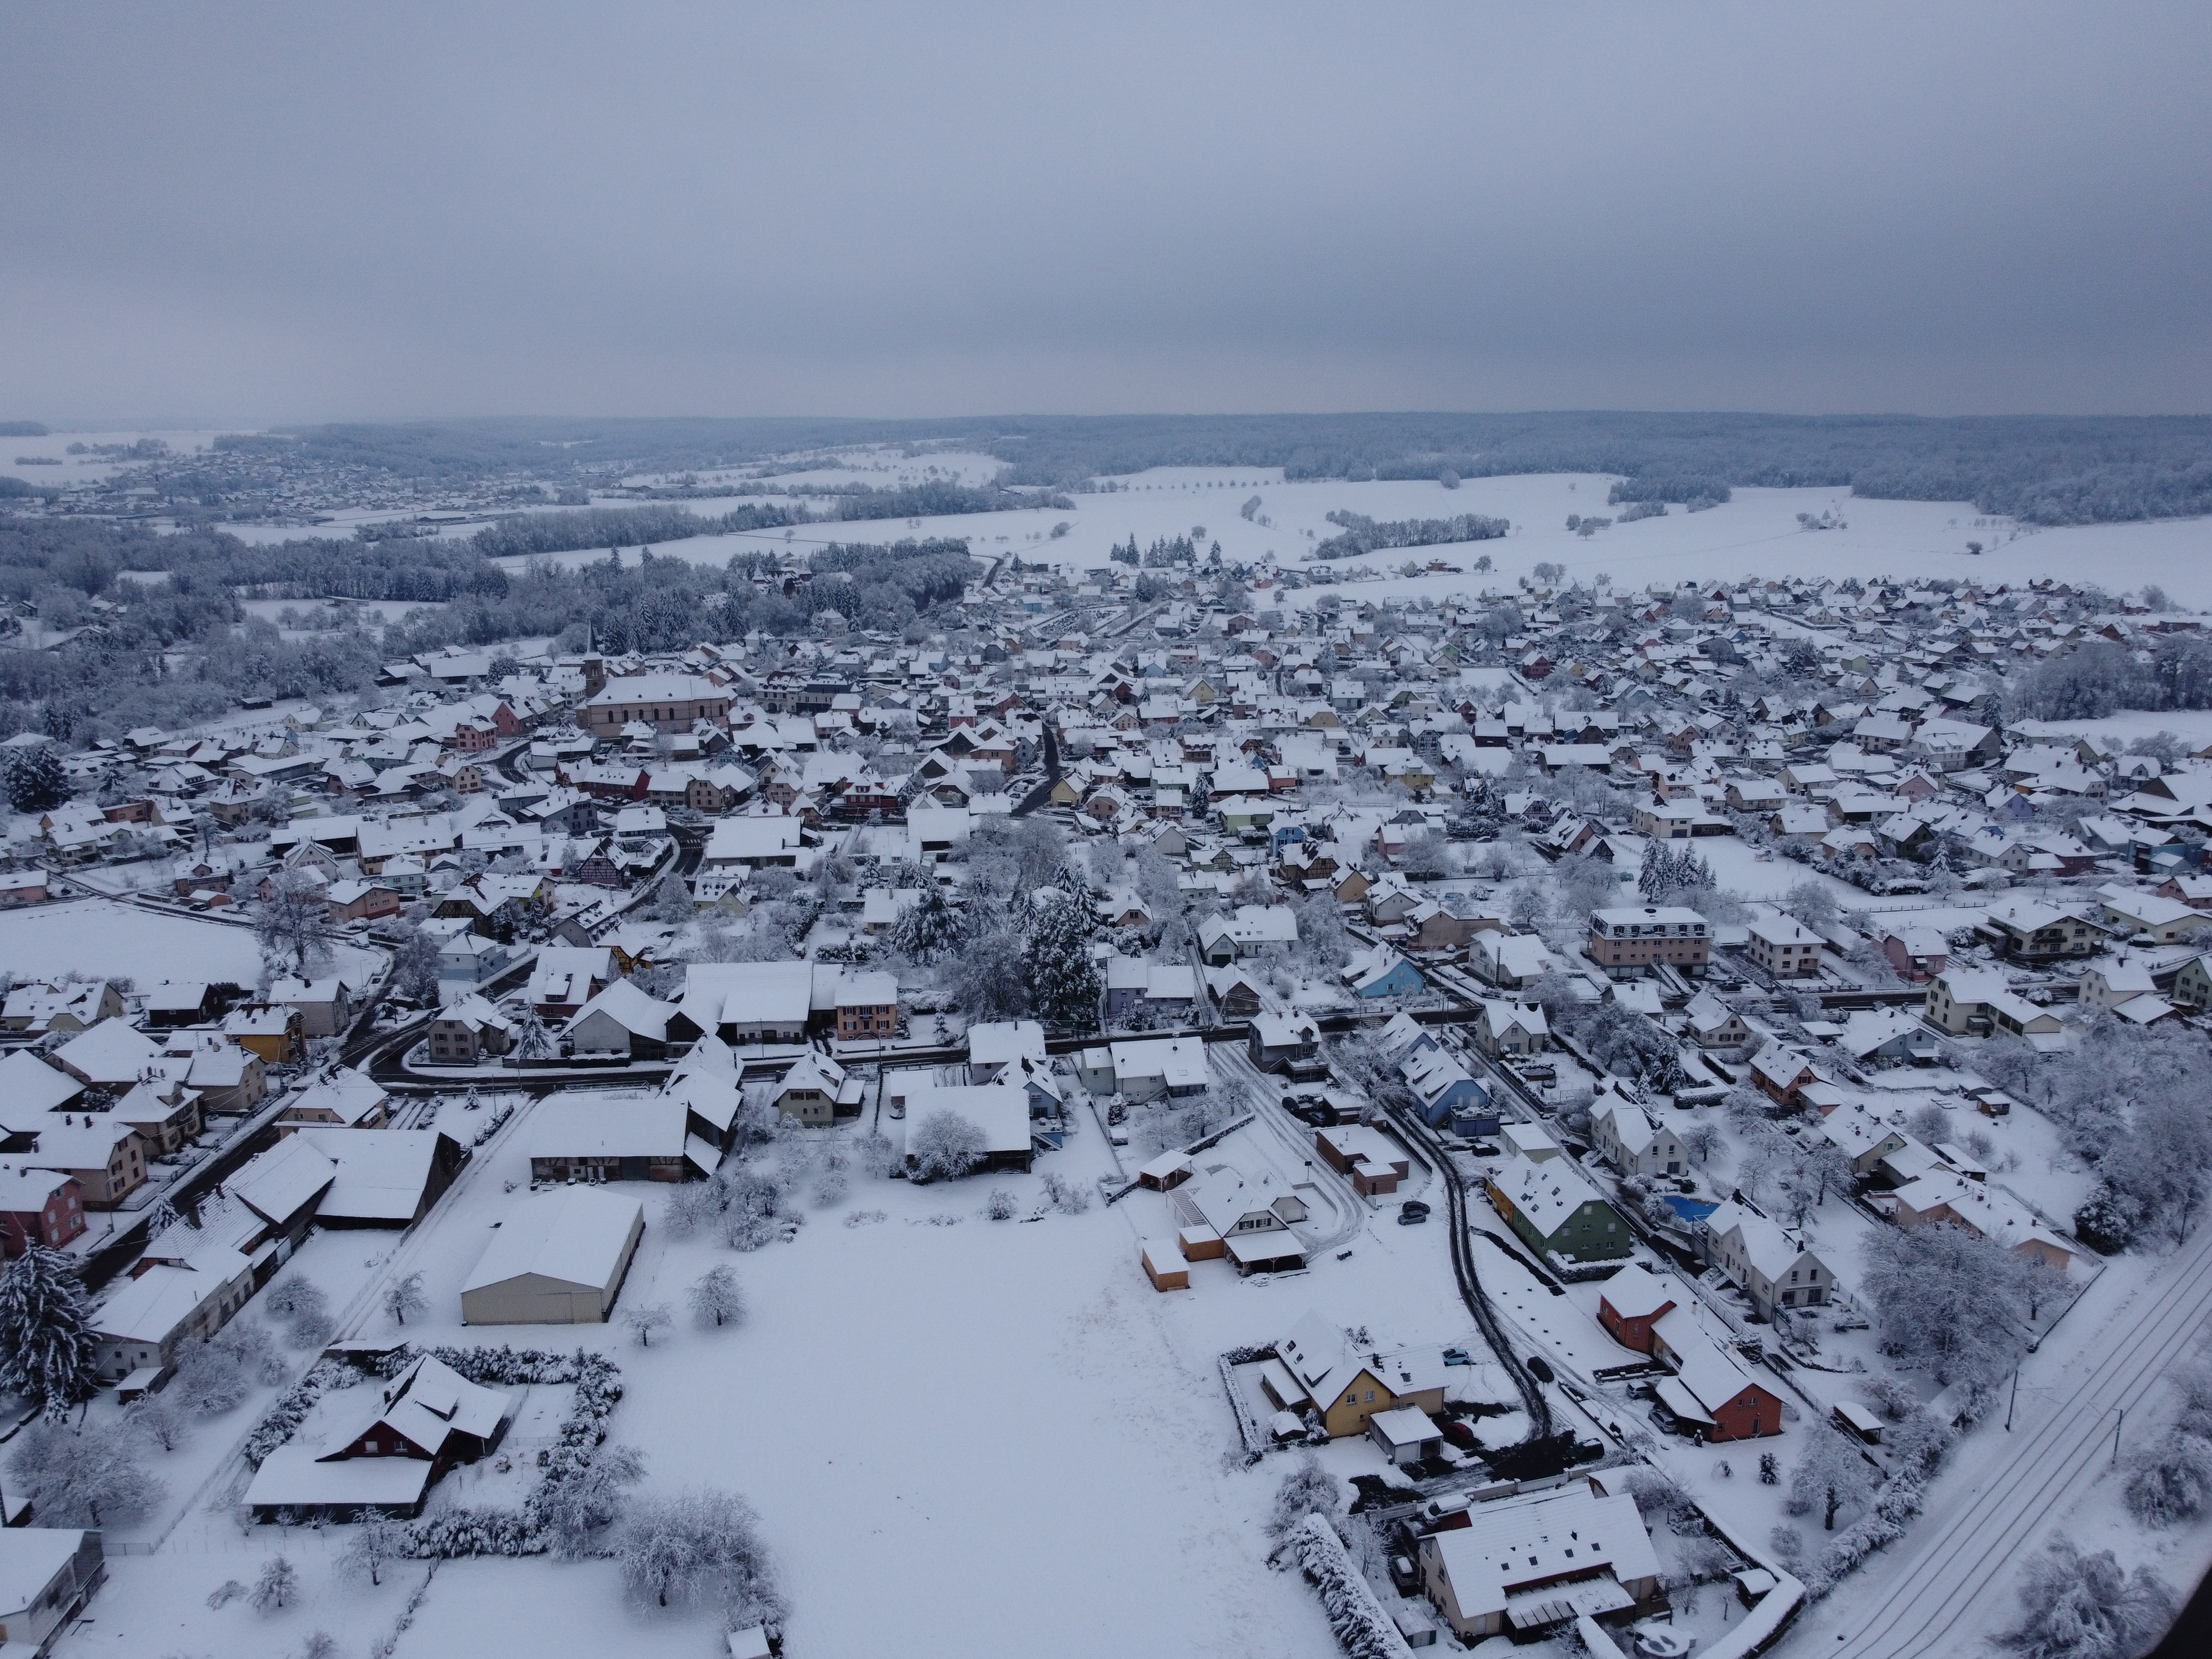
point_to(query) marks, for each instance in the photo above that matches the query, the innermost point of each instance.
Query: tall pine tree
(1064, 986)
(45, 1332)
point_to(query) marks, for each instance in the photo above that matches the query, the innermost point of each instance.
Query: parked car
(1540, 1368)
(1458, 1357)
(1457, 1432)
(1411, 1212)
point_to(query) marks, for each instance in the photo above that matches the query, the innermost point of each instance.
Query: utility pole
(2116, 1427)
(2013, 1398)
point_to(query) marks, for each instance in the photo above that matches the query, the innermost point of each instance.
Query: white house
(1528, 1563)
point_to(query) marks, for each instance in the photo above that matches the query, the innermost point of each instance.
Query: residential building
(1629, 938)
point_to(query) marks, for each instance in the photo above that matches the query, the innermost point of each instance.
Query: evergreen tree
(45, 1336)
(34, 778)
(933, 928)
(532, 1041)
(1064, 987)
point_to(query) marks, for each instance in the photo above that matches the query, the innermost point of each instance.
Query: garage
(559, 1259)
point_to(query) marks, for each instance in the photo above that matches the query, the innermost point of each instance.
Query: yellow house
(1315, 1369)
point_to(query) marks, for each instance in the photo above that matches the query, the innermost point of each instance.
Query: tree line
(1361, 534)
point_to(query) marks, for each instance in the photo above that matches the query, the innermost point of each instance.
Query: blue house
(1445, 1090)
(1387, 974)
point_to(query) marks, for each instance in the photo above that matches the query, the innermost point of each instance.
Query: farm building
(560, 1259)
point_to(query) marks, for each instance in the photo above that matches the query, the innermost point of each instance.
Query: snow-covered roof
(111, 1053)
(378, 1178)
(279, 1184)
(1517, 1542)
(30, 1559)
(575, 1236)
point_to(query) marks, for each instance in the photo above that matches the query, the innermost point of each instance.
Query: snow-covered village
(1540, 1109)
(667, 991)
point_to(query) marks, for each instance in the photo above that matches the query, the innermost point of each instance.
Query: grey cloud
(252, 213)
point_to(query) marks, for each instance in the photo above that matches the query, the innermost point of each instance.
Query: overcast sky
(242, 213)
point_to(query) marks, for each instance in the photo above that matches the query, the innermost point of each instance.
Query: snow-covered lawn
(96, 937)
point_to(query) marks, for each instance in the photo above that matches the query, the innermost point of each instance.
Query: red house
(1634, 1300)
(38, 1206)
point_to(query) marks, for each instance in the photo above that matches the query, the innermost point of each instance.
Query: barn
(558, 1260)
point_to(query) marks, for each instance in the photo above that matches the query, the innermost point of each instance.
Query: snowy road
(1955, 1579)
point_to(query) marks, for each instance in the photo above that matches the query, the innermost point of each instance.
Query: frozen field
(97, 937)
(1756, 534)
(948, 1425)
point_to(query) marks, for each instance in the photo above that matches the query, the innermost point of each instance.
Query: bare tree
(1830, 1476)
(373, 1543)
(404, 1298)
(644, 1319)
(74, 1479)
(696, 1545)
(294, 921)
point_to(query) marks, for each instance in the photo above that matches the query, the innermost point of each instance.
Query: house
(272, 1032)
(381, 1447)
(1709, 1395)
(1254, 928)
(362, 901)
(579, 1138)
(1635, 1299)
(38, 1207)
(1625, 939)
(2039, 932)
(1946, 1196)
(1383, 973)
(1770, 1265)
(745, 1002)
(166, 1114)
(1509, 961)
(1958, 999)
(1915, 954)
(107, 1159)
(1525, 1564)
(2131, 914)
(567, 976)
(1316, 1369)
(325, 1005)
(146, 1315)
(1783, 947)
(621, 1022)
(1782, 1073)
(1374, 1164)
(1511, 1028)
(866, 1007)
(818, 1090)
(1555, 1211)
(1283, 1043)
(108, 1056)
(386, 1180)
(279, 1191)
(1147, 1068)
(343, 1097)
(1445, 1088)
(1627, 1138)
(1711, 1024)
(1001, 1110)
(44, 1008)
(558, 1258)
(462, 1033)
(666, 702)
(1221, 1212)
(47, 1575)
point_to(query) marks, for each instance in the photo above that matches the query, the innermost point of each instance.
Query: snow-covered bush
(283, 1419)
(2087, 1607)
(2171, 1482)
(1000, 1205)
(877, 1154)
(1068, 1197)
(1362, 1626)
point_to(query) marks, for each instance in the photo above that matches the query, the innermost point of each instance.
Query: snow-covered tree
(2171, 1482)
(930, 928)
(990, 976)
(2087, 1607)
(78, 1479)
(278, 1587)
(157, 1418)
(1063, 980)
(415, 969)
(576, 1511)
(404, 1297)
(1829, 1476)
(532, 1039)
(291, 925)
(33, 778)
(305, 1311)
(1308, 1489)
(375, 1540)
(945, 1146)
(1700, 1140)
(1946, 1301)
(320, 1644)
(46, 1333)
(696, 1545)
(672, 900)
(642, 1319)
(716, 1298)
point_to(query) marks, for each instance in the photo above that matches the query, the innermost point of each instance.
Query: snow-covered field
(1757, 533)
(97, 937)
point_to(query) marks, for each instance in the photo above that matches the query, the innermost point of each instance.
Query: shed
(1164, 1266)
(559, 1259)
(1854, 1418)
(1407, 1434)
